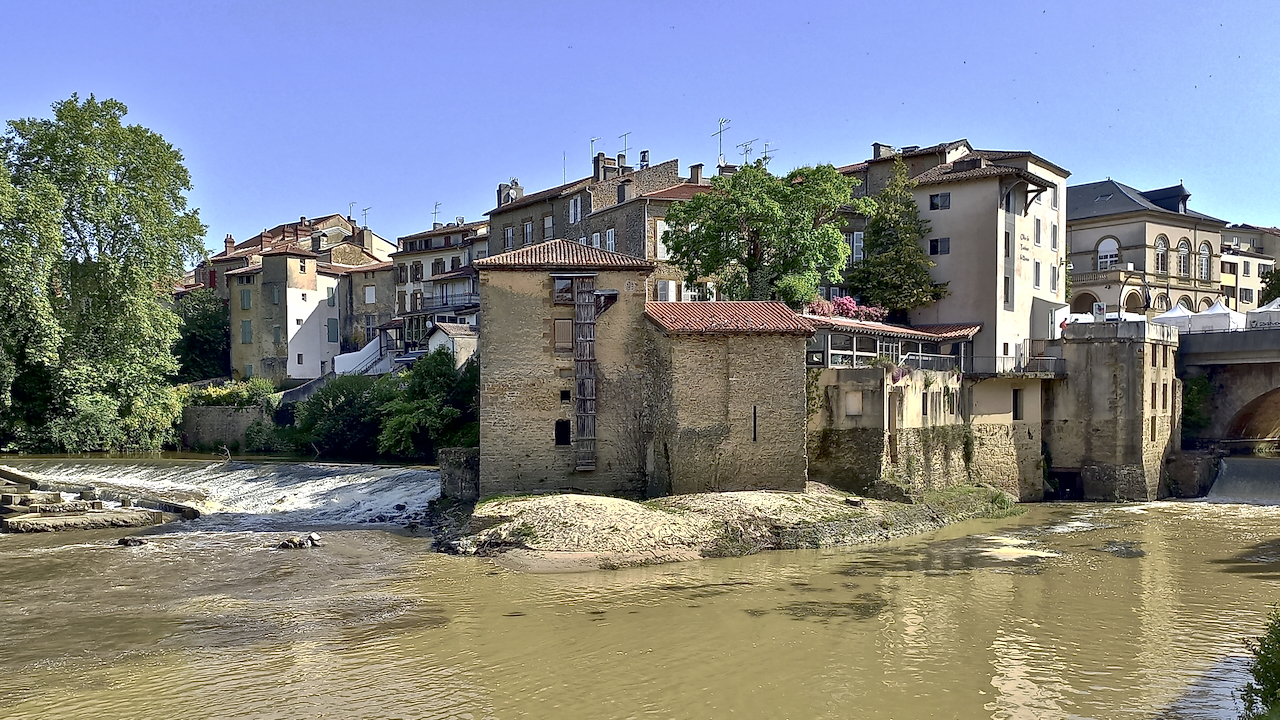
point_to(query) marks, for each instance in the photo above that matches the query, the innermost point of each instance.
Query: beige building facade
(1141, 251)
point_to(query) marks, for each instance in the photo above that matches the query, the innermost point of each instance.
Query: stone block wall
(213, 427)
(459, 473)
(523, 378)
(728, 412)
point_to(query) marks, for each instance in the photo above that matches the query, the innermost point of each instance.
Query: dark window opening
(562, 432)
(940, 246)
(1017, 404)
(940, 201)
(564, 396)
(563, 294)
(755, 425)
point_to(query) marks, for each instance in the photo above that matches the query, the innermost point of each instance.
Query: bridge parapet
(1230, 347)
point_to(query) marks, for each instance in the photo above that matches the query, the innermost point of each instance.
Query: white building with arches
(1140, 251)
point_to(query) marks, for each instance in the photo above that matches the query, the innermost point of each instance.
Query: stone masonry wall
(732, 414)
(213, 427)
(522, 378)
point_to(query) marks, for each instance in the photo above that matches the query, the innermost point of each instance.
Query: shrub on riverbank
(404, 416)
(249, 393)
(1262, 694)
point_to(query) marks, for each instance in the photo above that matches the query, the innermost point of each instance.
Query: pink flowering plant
(848, 307)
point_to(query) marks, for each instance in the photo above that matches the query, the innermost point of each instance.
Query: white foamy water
(259, 495)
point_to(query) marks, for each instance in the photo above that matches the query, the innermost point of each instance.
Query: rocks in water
(1123, 548)
(401, 507)
(131, 541)
(298, 542)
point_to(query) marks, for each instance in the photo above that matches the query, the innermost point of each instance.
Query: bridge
(1242, 368)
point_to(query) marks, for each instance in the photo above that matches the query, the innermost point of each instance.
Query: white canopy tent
(1179, 317)
(1217, 317)
(1267, 316)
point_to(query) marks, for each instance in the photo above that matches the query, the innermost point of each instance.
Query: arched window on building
(1108, 254)
(1184, 260)
(1206, 262)
(1162, 302)
(1162, 255)
(1186, 302)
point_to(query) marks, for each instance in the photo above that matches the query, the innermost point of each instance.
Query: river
(1067, 611)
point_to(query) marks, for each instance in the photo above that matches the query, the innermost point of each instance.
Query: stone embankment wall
(459, 473)
(206, 427)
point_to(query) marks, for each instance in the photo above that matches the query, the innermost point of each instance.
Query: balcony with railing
(452, 301)
(1043, 367)
(1119, 275)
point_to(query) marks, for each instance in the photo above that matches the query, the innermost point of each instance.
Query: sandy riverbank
(568, 532)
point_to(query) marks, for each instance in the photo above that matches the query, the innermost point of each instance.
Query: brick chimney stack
(695, 173)
(228, 244)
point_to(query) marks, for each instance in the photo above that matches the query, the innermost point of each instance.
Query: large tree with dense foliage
(761, 236)
(894, 271)
(204, 342)
(1270, 288)
(94, 231)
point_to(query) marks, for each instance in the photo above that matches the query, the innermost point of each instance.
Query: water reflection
(1067, 611)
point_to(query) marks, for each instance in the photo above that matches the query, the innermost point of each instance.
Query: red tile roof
(683, 191)
(247, 270)
(549, 194)
(449, 229)
(935, 333)
(562, 254)
(732, 317)
(290, 250)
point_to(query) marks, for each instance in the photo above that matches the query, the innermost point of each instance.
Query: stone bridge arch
(1259, 419)
(1243, 400)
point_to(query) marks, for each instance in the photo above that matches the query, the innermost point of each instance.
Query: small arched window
(1162, 255)
(1206, 262)
(1108, 254)
(1184, 260)
(1185, 302)
(1162, 302)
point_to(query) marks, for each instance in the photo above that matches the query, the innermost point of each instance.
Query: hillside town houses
(602, 369)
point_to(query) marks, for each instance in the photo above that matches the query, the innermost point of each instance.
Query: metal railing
(929, 361)
(989, 365)
(459, 300)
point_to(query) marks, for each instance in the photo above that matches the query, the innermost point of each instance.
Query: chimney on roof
(317, 238)
(504, 191)
(437, 225)
(880, 150)
(228, 244)
(603, 167)
(644, 159)
(622, 160)
(695, 173)
(302, 220)
(910, 148)
(626, 190)
(727, 170)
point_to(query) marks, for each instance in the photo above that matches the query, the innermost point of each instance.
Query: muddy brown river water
(1068, 611)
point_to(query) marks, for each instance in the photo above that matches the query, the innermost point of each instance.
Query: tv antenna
(593, 146)
(746, 150)
(768, 153)
(435, 213)
(623, 138)
(364, 216)
(351, 208)
(724, 125)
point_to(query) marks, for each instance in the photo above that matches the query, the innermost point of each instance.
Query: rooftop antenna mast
(564, 167)
(746, 150)
(351, 208)
(434, 213)
(623, 138)
(724, 125)
(768, 153)
(364, 216)
(593, 146)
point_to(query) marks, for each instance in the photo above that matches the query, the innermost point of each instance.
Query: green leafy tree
(894, 272)
(437, 407)
(764, 237)
(1270, 288)
(204, 342)
(343, 418)
(1262, 693)
(105, 203)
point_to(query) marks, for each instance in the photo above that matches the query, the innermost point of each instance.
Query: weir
(1248, 480)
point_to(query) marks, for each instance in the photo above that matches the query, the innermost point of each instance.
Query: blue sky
(285, 109)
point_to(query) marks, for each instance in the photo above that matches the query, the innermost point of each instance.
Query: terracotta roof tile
(562, 254)
(936, 333)
(683, 191)
(732, 317)
(456, 329)
(290, 249)
(448, 230)
(548, 194)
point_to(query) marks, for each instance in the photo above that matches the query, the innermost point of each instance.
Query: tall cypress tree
(894, 271)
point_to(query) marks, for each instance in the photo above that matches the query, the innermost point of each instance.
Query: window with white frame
(1246, 295)
(1053, 236)
(940, 201)
(660, 247)
(528, 233)
(595, 239)
(666, 290)
(1184, 258)
(547, 233)
(1053, 278)
(370, 294)
(1037, 232)
(1206, 262)
(610, 240)
(575, 209)
(1162, 255)
(1244, 268)
(508, 237)
(855, 246)
(1035, 275)
(1108, 254)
